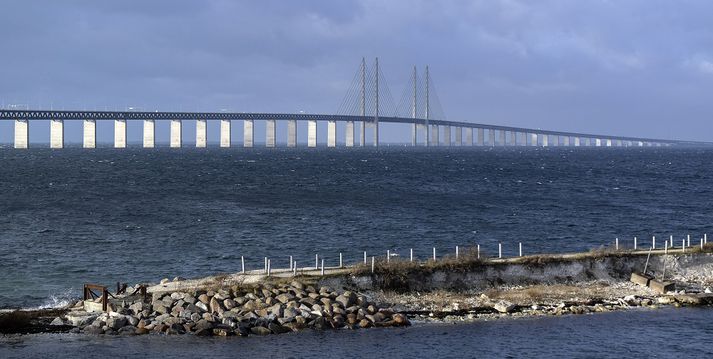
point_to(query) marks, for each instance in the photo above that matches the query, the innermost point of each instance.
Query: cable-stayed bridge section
(367, 103)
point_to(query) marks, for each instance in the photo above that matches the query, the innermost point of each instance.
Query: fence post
(500, 250)
(388, 256)
(434, 254)
(635, 246)
(341, 263)
(478, 250)
(294, 269)
(653, 242)
(268, 267)
(372, 264)
(456, 252)
(242, 263)
(616, 243)
(520, 249)
(411, 255)
(364, 257)
(316, 261)
(322, 266)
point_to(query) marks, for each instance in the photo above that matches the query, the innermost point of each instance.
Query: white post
(616, 243)
(671, 239)
(520, 249)
(634, 243)
(701, 243)
(688, 240)
(341, 264)
(372, 264)
(265, 268)
(316, 261)
(665, 248)
(268, 267)
(683, 246)
(322, 266)
(653, 242)
(434, 253)
(364, 257)
(242, 263)
(478, 249)
(705, 238)
(500, 250)
(294, 268)
(456, 252)
(290, 262)
(411, 255)
(388, 256)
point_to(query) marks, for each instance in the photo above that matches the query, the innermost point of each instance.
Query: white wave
(58, 300)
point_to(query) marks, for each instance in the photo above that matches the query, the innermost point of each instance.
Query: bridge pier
(608, 142)
(576, 141)
(149, 137)
(291, 133)
(513, 138)
(349, 134)
(597, 142)
(414, 134)
(89, 134)
(532, 139)
(545, 140)
(468, 136)
(225, 133)
(481, 137)
(176, 134)
(201, 133)
(22, 132)
(331, 133)
(270, 133)
(459, 136)
(501, 138)
(56, 134)
(248, 133)
(119, 133)
(447, 136)
(362, 134)
(311, 133)
(491, 137)
(376, 133)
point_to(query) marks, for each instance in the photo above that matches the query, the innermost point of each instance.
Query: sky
(630, 67)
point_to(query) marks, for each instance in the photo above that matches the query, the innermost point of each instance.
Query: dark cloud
(632, 68)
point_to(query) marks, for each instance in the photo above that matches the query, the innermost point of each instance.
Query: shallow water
(662, 333)
(75, 216)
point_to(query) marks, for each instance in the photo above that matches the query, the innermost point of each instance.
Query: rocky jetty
(256, 310)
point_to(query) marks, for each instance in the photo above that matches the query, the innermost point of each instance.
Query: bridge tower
(376, 99)
(362, 128)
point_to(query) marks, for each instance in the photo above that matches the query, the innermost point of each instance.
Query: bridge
(366, 105)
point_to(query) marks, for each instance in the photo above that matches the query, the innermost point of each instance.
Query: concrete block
(22, 134)
(662, 287)
(225, 135)
(89, 134)
(640, 279)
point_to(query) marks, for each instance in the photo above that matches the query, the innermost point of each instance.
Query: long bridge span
(367, 103)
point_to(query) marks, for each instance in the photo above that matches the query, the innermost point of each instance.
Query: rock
(278, 329)
(665, 300)
(222, 331)
(276, 310)
(127, 330)
(285, 297)
(161, 309)
(57, 321)
(133, 321)
(347, 299)
(93, 330)
(297, 285)
(504, 307)
(204, 299)
(178, 279)
(164, 281)
(202, 306)
(115, 323)
(229, 304)
(364, 323)
(400, 320)
(203, 332)
(260, 331)
(176, 295)
(141, 331)
(188, 298)
(203, 324)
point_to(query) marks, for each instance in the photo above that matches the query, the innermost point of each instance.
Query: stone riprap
(256, 310)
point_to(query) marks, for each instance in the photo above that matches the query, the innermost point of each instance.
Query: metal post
(294, 269)
(388, 256)
(456, 252)
(520, 249)
(478, 249)
(434, 253)
(268, 267)
(411, 255)
(616, 243)
(290, 262)
(653, 242)
(341, 264)
(364, 257)
(242, 263)
(322, 266)
(500, 250)
(316, 261)
(634, 243)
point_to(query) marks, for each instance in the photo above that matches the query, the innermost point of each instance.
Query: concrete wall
(56, 134)
(201, 133)
(291, 133)
(331, 133)
(119, 133)
(225, 136)
(248, 133)
(349, 134)
(270, 133)
(22, 134)
(149, 135)
(176, 133)
(89, 134)
(311, 133)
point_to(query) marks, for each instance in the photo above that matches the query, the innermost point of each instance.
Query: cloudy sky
(638, 67)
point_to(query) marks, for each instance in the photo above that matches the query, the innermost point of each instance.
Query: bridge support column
(248, 133)
(481, 137)
(597, 142)
(447, 136)
(576, 141)
(56, 134)
(566, 141)
(491, 137)
(501, 138)
(608, 142)
(331, 133)
(513, 138)
(376, 133)
(119, 133)
(362, 133)
(459, 136)
(176, 134)
(618, 143)
(225, 133)
(149, 140)
(270, 133)
(22, 132)
(468, 136)
(349, 134)
(311, 133)
(201, 133)
(414, 134)
(89, 134)
(291, 133)
(545, 140)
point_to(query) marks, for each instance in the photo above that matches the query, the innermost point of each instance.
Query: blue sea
(73, 216)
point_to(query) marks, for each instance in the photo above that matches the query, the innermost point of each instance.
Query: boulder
(260, 331)
(285, 297)
(57, 321)
(115, 323)
(203, 332)
(229, 304)
(93, 330)
(222, 331)
(204, 298)
(202, 306)
(278, 329)
(400, 320)
(364, 323)
(504, 306)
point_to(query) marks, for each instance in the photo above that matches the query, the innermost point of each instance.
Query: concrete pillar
(459, 136)
(331, 133)
(311, 133)
(608, 142)
(491, 139)
(349, 134)
(533, 139)
(597, 142)
(248, 133)
(119, 133)
(481, 137)
(201, 133)
(502, 138)
(619, 143)
(446, 135)
(545, 140)
(576, 142)
(176, 134)
(555, 141)
(149, 134)
(376, 134)
(414, 133)
(270, 133)
(513, 138)
(225, 133)
(22, 133)
(468, 136)
(640, 144)
(291, 133)
(56, 134)
(362, 133)
(89, 133)
(566, 141)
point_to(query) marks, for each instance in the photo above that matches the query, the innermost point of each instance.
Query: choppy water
(664, 333)
(74, 216)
